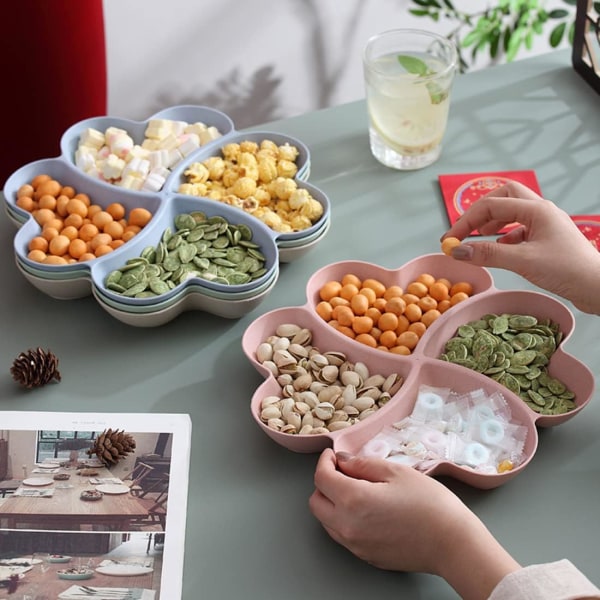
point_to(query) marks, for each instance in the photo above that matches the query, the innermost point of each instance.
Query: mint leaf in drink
(418, 67)
(413, 65)
(436, 93)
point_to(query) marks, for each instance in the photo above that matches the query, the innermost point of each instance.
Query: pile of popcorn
(114, 157)
(258, 178)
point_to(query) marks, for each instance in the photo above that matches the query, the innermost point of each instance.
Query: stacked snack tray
(290, 347)
(118, 187)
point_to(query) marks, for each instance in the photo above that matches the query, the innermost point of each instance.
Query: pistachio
(320, 392)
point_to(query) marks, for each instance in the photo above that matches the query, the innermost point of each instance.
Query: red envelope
(589, 225)
(460, 190)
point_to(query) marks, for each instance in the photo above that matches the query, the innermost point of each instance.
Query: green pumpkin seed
(209, 248)
(514, 350)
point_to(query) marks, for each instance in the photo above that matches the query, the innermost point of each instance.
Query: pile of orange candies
(388, 318)
(73, 228)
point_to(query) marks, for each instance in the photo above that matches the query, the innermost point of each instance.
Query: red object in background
(53, 69)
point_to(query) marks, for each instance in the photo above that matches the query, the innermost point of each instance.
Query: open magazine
(93, 505)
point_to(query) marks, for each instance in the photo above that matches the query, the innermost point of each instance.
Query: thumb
(366, 468)
(491, 254)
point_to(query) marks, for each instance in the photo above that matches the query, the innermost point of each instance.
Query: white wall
(257, 60)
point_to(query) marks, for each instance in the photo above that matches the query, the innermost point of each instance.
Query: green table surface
(250, 534)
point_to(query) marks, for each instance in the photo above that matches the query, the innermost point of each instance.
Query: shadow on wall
(246, 101)
(257, 98)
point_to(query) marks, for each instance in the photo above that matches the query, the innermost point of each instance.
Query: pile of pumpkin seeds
(514, 350)
(207, 247)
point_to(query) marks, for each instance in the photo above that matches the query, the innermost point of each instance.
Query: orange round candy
(77, 248)
(25, 190)
(101, 219)
(426, 278)
(462, 286)
(439, 290)
(102, 249)
(369, 294)
(362, 324)
(418, 327)
(388, 321)
(39, 179)
(427, 303)
(329, 290)
(59, 245)
(413, 312)
(42, 215)
(401, 350)
(52, 259)
(396, 305)
(430, 316)
(25, 202)
(116, 210)
(375, 285)
(38, 243)
(47, 201)
(351, 278)
(388, 339)
(75, 220)
(409, 339)
(448, 244)
(37, 255)
(366, 339)
(343, 315)
(359, 303)
(417, 288)
(49, 232)
(458, 297)
(77, 207)
(50, 186)
(348, 291)
(139, 216)
(88, 231)
(394, 291)
(324, 310)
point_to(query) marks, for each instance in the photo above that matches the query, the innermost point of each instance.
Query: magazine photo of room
(69, 565)
(63, 480)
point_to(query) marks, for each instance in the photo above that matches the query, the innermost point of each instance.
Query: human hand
(546, 248)
(397, 518)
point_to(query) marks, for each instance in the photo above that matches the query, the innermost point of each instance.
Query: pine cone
(112, 446)
(35, 368)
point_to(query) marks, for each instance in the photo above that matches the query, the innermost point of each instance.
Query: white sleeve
(553, 581)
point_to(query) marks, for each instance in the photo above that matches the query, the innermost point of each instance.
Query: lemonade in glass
(408, 77)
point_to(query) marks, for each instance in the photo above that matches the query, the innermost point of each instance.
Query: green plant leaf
(558, 13)
(413, 65)
(419, 12)
(597, 7)
(470, 38)
(556, 35)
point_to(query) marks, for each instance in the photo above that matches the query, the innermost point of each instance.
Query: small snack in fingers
(448, 244)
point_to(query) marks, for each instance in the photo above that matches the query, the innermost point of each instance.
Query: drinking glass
(408, 78)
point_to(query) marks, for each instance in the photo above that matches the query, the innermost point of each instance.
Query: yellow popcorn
(259, 179)
(248, 146)
(288, 152)
(231, 151)
(286, 168)
(215, 166)
(197, 173)
(243, 187)
(267, 169)
(248, 166)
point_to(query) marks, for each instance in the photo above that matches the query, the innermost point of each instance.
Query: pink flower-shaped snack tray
(423, 367)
